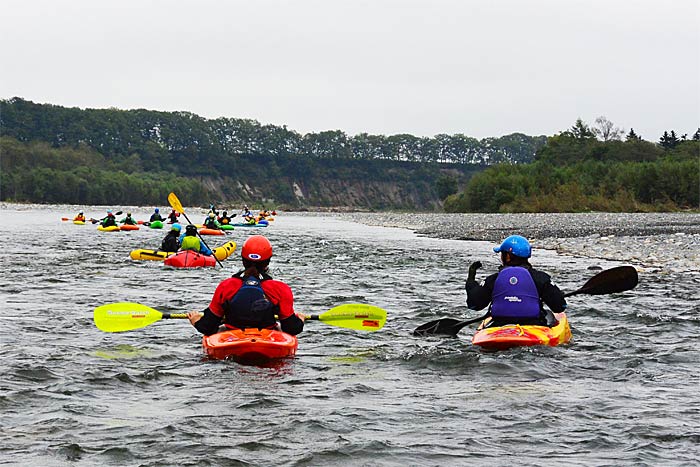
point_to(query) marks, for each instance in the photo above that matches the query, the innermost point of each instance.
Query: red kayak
(250, 344)
(189, 259)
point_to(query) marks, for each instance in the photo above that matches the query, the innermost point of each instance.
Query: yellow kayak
(221, 253)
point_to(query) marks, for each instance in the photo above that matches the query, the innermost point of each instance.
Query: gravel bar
(668, 241)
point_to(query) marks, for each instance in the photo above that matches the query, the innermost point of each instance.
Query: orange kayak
(517, 335)
(250, 344)
(211, 232)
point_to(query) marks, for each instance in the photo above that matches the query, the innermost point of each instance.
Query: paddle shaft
(471, 321)
(174, 316)
(126, 316)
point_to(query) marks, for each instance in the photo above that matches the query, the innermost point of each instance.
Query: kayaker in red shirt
(251, 298)
(518, 292)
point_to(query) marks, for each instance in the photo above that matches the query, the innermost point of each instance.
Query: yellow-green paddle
(127, 316)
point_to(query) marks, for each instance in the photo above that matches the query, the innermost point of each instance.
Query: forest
(578, 172)
(54, 154)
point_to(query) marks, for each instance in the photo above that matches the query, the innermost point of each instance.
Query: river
(623, 392)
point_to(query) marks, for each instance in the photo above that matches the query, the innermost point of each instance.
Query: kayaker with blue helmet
(251, 298)
(518, 292)
(156, 216)
(171, 242)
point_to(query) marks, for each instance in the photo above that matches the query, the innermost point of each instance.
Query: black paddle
(95, 221)
(605, 282)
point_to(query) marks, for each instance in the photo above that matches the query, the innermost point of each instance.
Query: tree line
(576, 171)
(102, 156)
(180, 141)
(38, 172)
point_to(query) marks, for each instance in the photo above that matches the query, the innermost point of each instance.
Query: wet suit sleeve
(549, 293)
(281, 295)
(479, 296)
(208, 324)
(292, 325)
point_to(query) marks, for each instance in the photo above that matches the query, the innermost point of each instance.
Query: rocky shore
(669, 241)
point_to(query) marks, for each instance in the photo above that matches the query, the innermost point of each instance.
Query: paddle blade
(446, 326)
(357, 316)
(439, 326)
(175, 203)
(124, 316)
(609, 281)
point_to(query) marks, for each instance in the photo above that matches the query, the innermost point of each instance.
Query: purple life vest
(515, 297)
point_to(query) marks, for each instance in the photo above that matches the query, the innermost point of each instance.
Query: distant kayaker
(128, 220)
(156, 216)
(172, 217)
(224, 219)
(109, 220)
(251, 298)
(171, 242)
(210, 221)
(517, 292)
(190, 241)
(80, 217)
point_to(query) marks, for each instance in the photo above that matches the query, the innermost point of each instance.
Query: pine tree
(696, 135)
(580, 131)
(632, 136)
(669, 141)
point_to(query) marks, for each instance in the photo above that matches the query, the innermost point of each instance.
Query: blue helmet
(515, 245)
(176, 227)
(157, 209)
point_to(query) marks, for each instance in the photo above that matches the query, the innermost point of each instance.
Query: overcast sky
(481, 68)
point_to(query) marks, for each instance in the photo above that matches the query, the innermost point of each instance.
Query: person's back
(210, 221)
(171, 242)
(190, 241)
(518, 292)
(156, 216)
(251, 298)
(109, 221)
(128, 220)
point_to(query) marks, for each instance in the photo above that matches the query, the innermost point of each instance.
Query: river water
(624, 392)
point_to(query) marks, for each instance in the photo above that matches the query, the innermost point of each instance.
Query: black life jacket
(171, 242)
(249, 307)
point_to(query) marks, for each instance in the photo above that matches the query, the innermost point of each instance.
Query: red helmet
(257, 248)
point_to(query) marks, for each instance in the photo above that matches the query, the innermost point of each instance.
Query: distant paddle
(127, 316)
(609, 281)
(95, 221)
(177, 206)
